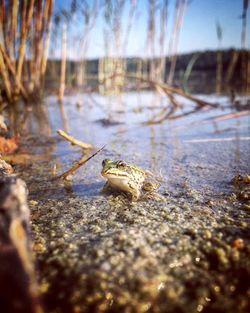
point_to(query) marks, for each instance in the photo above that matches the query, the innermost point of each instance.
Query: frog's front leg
(106, 187)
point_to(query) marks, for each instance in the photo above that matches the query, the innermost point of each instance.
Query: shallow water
(204, 153)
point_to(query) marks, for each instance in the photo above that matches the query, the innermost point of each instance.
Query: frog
(128, 178)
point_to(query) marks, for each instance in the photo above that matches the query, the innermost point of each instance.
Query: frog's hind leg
(134, 191)
(150, 193)
(150, 186)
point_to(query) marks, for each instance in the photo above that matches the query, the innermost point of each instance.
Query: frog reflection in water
(127, 177)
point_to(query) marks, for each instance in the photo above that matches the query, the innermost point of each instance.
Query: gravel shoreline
(100, 253)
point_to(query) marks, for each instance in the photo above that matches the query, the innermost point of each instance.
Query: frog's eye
(105, 161)
(121, 164)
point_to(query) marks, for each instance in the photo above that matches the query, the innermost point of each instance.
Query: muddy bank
(106, 255)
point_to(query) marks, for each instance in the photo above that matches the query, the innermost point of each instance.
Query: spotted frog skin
(127, 177)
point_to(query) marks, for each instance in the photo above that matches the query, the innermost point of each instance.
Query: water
(205, 153)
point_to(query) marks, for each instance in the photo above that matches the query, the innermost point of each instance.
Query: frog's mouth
(113, 173)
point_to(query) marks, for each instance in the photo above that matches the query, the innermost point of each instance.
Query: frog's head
(114, 169)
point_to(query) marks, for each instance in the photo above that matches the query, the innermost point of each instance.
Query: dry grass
(24, 33)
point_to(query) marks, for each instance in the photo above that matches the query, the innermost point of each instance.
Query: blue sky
(198, 31)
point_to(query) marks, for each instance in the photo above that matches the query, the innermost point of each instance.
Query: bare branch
(74, 141)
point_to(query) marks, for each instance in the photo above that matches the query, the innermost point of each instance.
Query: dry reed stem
(78, 164)
(151, 37)
(12, 71)
(63, 64)
(129, 25)
(248, 73)
(31, 31)
(219, 59)
(5, 76)
(39, 16)
(244, 24)
(27, 16)
(10, 38)
(47, 24)
(91, 16)
(73, 140)
(23, 33)
(2, 12)
(7, 24)
(163, 23)
(244, 60)
(179, 14)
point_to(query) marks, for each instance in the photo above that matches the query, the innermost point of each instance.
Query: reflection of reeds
(231, 67)
(24, 38)
(188, 70)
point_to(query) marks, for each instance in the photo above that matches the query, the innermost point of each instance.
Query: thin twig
(231, 115)
(217, 118)
(78, 164)
(74, 141)
(205, 140)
